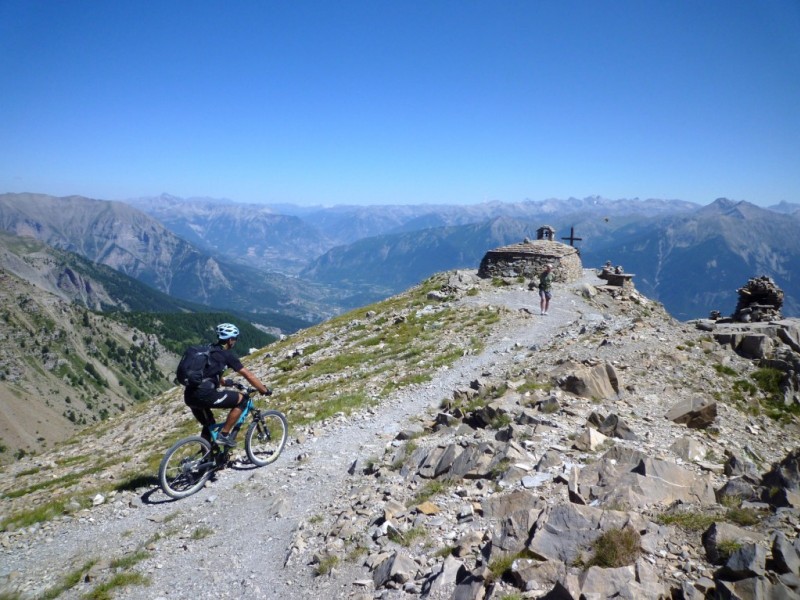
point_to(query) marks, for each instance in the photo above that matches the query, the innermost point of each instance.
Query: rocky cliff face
(447, 443)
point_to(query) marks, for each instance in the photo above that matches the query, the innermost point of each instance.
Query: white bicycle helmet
(226, 331)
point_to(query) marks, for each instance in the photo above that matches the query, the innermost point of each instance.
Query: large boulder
(599, 382)
(565, 532)
(646, 483)
(633, 581)
(756, 345)
(696, 413)
(397, 567)
(512, 517)
(718, 535)
(781, 483)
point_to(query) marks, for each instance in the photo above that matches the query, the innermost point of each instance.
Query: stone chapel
(528, 258)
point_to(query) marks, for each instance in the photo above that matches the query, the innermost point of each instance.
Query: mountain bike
(190, 462)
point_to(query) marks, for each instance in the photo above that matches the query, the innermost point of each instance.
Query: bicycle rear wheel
(266, 437)
(186, 467)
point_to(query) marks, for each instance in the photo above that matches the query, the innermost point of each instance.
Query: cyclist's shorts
(212, 398)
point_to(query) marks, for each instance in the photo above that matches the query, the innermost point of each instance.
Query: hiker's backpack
(193, 366)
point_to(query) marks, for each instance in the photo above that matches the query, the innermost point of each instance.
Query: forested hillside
(63, 367)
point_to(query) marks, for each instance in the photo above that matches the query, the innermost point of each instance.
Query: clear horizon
(369, 103)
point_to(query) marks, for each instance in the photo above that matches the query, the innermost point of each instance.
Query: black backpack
(193, 367)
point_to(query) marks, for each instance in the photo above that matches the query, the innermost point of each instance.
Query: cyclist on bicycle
(201, 399)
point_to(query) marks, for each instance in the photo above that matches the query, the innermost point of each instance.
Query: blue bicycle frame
(215, 428)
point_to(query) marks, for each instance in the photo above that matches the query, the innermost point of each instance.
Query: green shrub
(769, 382)
(103, 591)
(726, 548)
(500, 421)
(616, 548)
(201, 532)
(532, 385)
(127, 561)
(724, 370)
(691, 521)
(68, 581)
(326, 564)
(501, 566)
(742, 516)
(429, 490)
(406, 538)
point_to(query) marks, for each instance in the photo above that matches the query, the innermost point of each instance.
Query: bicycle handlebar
(247, 390)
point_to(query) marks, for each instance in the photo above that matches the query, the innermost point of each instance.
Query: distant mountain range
(696, 262)
(786, 207)
(247, 234)
(307, 263)
(288, 238)
(400, 260)
(119, 236)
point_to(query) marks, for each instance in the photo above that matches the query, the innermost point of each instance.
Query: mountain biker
(201, 399)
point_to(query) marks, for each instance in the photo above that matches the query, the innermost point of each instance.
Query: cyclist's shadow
(146, 480)
(147, 497)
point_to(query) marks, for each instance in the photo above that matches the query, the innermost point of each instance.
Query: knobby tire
(185, 467)
(266, 437)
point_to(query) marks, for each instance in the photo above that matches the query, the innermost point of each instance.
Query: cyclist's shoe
(226, 440)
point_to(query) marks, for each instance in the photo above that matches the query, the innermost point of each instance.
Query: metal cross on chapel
(572, 239)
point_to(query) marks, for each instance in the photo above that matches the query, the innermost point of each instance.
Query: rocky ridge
(495, 478)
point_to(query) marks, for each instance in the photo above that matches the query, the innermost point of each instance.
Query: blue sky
(377, 102)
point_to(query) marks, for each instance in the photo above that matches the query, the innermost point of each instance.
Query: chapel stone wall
(528, 259)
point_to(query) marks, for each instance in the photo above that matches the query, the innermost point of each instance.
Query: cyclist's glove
(267, 392)
(228, 382)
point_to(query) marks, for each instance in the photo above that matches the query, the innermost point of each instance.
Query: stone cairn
(759, 300)
(616, 276)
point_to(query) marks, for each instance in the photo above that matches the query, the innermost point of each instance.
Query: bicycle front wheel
(266, 438)
(186, 467)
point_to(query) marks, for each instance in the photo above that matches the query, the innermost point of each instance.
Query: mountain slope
(462, 435)
(76, 279)
(63, 367)
(692, 263)
(117, 235)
